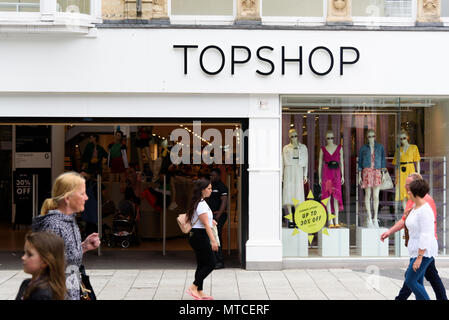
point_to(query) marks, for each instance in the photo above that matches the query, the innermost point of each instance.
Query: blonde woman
(58, 215)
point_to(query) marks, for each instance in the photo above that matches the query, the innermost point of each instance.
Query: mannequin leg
(369, 222)
(329, 211)
(173, 204)
(147, 150)
(336, 212)
(376, 191)
(139, 156)
(290, 224)
(404, 204)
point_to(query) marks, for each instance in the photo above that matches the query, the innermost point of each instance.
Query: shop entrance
(129, 168)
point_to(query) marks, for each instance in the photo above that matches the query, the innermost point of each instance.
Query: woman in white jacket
(422, 244)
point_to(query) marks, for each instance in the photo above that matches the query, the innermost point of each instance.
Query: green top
(116, 150)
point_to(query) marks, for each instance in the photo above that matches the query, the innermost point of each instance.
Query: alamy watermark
(218, 149)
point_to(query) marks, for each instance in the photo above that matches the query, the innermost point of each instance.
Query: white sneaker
(376, 224)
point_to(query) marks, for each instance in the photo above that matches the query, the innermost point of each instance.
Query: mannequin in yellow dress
(408, 159)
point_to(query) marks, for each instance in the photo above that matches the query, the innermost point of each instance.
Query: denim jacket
(365, 156)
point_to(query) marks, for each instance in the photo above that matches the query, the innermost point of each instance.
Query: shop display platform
(294, 245)
(335, 244)
(369, 244)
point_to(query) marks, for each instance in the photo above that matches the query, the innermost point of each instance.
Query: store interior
(139, 201)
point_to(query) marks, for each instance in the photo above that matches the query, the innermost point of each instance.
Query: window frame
(388, 21)
(47, 19)
(294, 20)
(202, 19)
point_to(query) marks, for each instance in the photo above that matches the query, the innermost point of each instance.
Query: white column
(48, 10)
(264, 245)
(96, 10)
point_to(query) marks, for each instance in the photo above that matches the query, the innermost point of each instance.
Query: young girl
(44, 260)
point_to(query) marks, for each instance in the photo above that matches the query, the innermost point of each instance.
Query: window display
(352, 146)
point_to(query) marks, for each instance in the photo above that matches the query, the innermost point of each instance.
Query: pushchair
(123, 233)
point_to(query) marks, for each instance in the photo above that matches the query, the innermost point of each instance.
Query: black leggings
(205, 259)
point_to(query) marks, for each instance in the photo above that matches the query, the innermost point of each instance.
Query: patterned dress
(66, 227)
(331, 178)
(371, 177)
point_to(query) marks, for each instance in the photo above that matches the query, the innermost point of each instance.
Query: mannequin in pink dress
(331, 173)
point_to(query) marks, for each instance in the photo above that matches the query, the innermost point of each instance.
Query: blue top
(365, 156)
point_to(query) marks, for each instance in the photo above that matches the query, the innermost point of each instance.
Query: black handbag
(86, 290)
(333, 165)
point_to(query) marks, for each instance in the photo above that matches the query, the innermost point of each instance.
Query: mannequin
(331, 173)
(295, 167)
(117, 158)
(409, 162)
(143, 144)
(371, 165)
(165, 170)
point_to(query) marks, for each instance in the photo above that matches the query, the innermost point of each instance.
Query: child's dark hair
(50, 248)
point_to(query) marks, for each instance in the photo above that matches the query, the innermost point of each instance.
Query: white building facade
(269, 74)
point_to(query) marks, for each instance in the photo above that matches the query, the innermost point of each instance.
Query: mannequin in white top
(295, 162)
(332, 178)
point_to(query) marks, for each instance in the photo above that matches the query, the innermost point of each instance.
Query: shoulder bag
(86, 290)
(387, 183)
(215, 232)
(184, 223)
(406, 235)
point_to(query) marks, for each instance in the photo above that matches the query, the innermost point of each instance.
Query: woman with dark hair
(422, 244)
(201, 237)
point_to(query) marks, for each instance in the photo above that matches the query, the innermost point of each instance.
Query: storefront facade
(273, 78)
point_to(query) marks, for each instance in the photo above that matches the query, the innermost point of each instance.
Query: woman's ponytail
(49, 204)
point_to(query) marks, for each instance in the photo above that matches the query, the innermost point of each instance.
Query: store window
(336, 197)
(382, 8)
(20, 6)
(202, 7)
(292, 8)
(73, 6)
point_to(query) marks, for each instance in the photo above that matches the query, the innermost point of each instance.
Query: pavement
(152, 277)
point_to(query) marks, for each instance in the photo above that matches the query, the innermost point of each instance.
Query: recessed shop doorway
(128, 166)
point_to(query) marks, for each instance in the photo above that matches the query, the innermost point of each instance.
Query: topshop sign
(319, 60)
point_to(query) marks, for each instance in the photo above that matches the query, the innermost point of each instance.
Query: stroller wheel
(125, 244)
